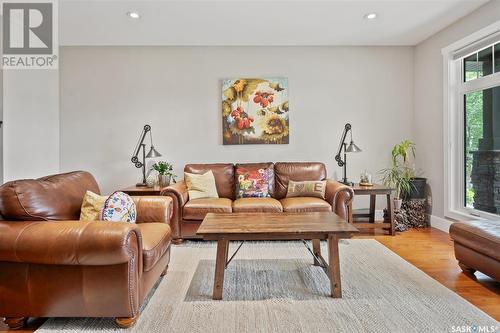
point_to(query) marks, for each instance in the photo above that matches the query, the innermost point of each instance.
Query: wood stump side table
(373, 191)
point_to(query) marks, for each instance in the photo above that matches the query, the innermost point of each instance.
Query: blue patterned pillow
(119, 207)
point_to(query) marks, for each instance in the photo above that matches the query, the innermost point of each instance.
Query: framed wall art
(255, 111)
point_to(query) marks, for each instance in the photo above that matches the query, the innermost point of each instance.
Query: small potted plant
(398, 177)
(403, 150)
(165, 173)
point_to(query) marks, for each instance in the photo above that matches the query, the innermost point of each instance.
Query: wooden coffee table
(278, 226)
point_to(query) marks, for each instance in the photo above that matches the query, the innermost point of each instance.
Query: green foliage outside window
(473, 132)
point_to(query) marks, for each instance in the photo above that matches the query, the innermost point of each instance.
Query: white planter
(397, 204)
(163, 180)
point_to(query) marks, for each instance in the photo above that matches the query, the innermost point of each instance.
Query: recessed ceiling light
(133, 15)
(371, 16)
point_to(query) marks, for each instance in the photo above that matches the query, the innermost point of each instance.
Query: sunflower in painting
(275, 128)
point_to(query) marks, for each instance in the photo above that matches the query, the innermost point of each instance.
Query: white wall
(31, 123)
(109, 93)
(29, 108)
(1, 106)
(428, 117)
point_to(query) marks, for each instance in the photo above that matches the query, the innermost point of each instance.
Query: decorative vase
(152, 179)
(397, 204)
(164, 180)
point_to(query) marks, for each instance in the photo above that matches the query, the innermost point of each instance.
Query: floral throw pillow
(119, 207)
(253, 182)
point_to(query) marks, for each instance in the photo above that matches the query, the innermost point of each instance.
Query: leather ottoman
(477, 246)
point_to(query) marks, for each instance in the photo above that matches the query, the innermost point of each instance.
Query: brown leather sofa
(52, 265)
(188, 214)
(477, 246)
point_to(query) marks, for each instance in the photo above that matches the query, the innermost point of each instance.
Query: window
(482, 150)
(472, 126)
(481, 64)
(470, 68)
(497, 58)
(482, 133)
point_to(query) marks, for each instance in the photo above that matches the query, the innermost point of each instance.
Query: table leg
(220, 266)
(227, 255)
(349, 217)
(334, 266)
(373, 199)
(390, 212)
(316, 250)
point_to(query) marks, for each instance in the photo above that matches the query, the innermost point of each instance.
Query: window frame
(454, 90)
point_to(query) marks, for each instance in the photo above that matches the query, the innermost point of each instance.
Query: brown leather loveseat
(188, 214)
(52, 265)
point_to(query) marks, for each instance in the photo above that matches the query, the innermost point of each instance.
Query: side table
(141, 190)
(373, 191)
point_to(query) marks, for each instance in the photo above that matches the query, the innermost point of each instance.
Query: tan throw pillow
(201, 186)
(313, 188)
(92, 206)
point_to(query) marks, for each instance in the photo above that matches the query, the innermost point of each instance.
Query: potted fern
(404, 151)
(400, 175)
(399, 178)
(165, 173)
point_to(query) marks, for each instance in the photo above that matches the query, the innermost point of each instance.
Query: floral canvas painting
(255, 111)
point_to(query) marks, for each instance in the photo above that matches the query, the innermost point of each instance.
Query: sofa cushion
(305, 204)
(297, 171)
(480, 236)
(92, 206)
(56, 197)
(156, 239)
(223, 173)
(257, 205)
(119, 207)
(197, 209)
(308, 188)
(257, 166)
(253, 181)
(201, 186)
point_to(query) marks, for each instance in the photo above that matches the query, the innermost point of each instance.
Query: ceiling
(258, 22)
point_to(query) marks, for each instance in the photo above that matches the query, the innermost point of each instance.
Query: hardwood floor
(431, 250)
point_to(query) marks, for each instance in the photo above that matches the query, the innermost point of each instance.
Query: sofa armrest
(70, 242)
(339, 196)
(179, 190)
(179, 194)
(153, 209)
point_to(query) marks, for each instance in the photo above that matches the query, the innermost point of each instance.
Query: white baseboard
(440, 223)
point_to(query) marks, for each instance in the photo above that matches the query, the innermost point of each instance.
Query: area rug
(273, 287)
